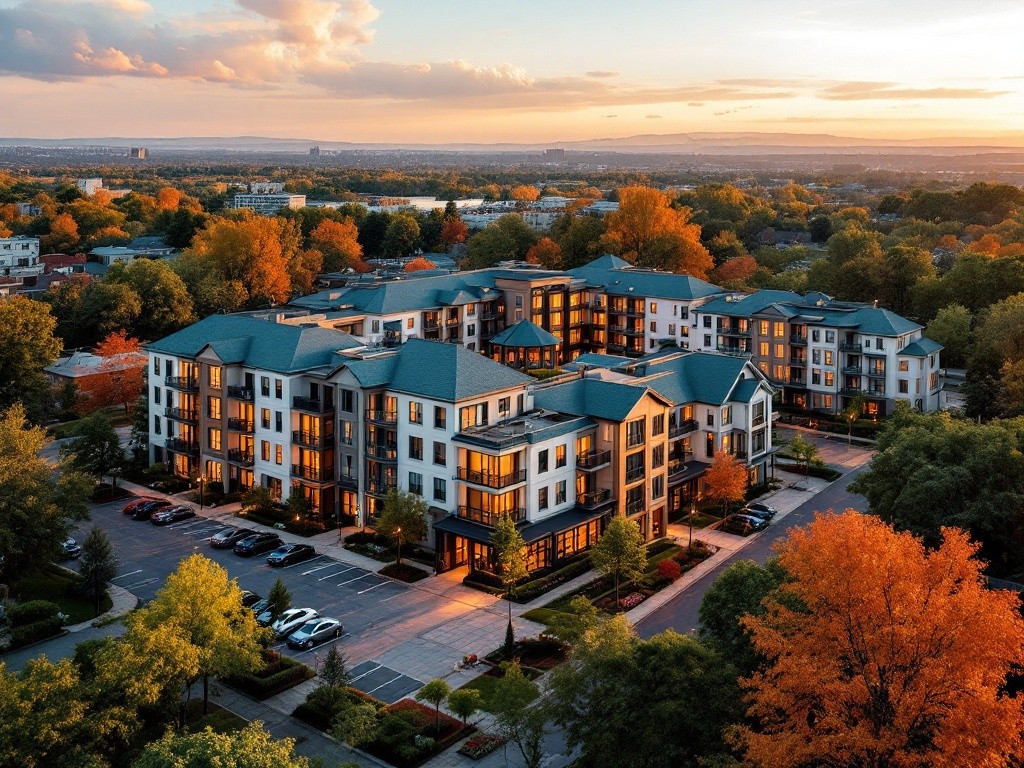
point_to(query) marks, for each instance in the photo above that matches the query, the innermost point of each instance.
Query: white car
(292, 619)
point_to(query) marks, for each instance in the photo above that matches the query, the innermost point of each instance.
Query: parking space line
(211, 531)
(318, 568)
(141, 583)
(303, 562)
(368, 672)
(130, 573)
(332, 575)
(357, 578)
(373, 587)
(392, 597)
(389, 682)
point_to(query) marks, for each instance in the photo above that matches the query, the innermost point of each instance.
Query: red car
(131, 506)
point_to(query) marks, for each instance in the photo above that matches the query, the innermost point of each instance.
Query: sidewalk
(122, 601)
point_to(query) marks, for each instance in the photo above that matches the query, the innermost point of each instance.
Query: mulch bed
(406, 573)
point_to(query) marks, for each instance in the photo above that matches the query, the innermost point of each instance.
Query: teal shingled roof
(745, 390)
(449, 372)
(257, 343)
(525, 334)
(619, 281)
(749, 303)
(601, 399)
(921, 348)
(695, 377)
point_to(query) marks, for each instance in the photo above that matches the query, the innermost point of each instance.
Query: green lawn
(486, 684)
(58, 587)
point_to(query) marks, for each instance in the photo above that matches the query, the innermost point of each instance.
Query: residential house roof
(921, 348)
(525, 334)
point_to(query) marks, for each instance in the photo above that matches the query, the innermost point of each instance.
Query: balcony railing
(592, 461)
(450, 321)
(592, 499)
(684, 427)
(184, 383)
(238, 456)
(741, 454)
(316, 474)
(797, 381)
(379, 487)
(382, 417)
(492, 480)
(852, 370)
(797, 338)
(799, 361)
(677, 464)
(731, 349)
(383, 452)
(311, 439)
(181, 414)
(312, 405)
(241, 425)
(731, 331)
(850, 346)
(242, 393)
(488, 517)
(636, 506)
(875, 373)
(347, 481)
(431, 323)
(852, 391)
(178, 445)
(634, 475)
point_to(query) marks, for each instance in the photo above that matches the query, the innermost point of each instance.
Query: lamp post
(202, 479)
(398, 559)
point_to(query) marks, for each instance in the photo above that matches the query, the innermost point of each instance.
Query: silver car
(315, 632)
(292, 619)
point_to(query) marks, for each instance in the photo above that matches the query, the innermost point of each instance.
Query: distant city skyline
(525, 71)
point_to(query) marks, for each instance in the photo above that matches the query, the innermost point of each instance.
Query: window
(265, 386)
(471, 329)
(560, 492)
(156, 424)
(278, 453)
(657, 424)
(416, 448)
(762, 327)
(265, 418)
(879, 344)
(473, 415)
(657, 486)
(904, 367)
(440, 417)
(709, 445)
(471, 310)
(779, 372)
(416, 483)
(278, 422)
(654, 309)
(778, 330)
(727, 415)
(347, 400)
(828, 357)
(440, 489)
(504, 407)
(542, 462)
(156, 395)
(415, 412)
(658, 456)
(410, 323)
(635, 433)
(213, 376)
(707, 340)
(265, 450)
(763, 348)
(654, 326)
(347, 433)
(816, 356)
(213, 407)
(815, 376)
(671, 329)
(711, 418)
(278, 389)
(542, 498)
(707, 321)
(904, 387)
(156, 366)
(440, 453)
(830, 379)
(375, 326)
(559, 456)
(780, 350)
(635, 467)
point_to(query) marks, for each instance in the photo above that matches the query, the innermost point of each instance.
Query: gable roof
(921, 348)
(525, 333)
(611, 400)
(449, 372)
(620, 278)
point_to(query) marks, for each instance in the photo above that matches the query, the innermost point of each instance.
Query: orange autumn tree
(524, 193)
(338, 242)
(453, 232)
(736, 270)
(122, 378)
(725, 481)
(545, 252)
(881, 652)
(419, 264)
(649, 232)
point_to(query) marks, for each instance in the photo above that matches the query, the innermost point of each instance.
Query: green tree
(507, 239)
(258, 499)
(464, 703)
(298, 505)
(902, 268)
(805, 452)
(510, 555)
(572, 625)
(951, 327)
(852, 411)
(97, 566)
(163, 294)
(356, 724)
(27, 346)
(333, 672)
(279, 599)
(206, 608)
(854, 243)
(403, 519)
(97, 450)
(517, 717)
(109, 307)
(401, 237)
(1002, 326)
(36, 504)
(435, 692)
(620, 552)
(579, 238)
(251, 747)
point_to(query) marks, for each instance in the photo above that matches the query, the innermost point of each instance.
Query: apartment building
(268, 204)
(19, 256)
(824, 353)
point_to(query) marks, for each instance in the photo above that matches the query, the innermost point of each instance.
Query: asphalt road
(681, 613)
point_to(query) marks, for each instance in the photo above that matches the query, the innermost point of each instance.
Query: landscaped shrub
(278, 674)
(34, 632)
(406, 736)
(537, 586)
(480, 746)
(407, 573)
(31, 611)
(825, 473)
(669, 570)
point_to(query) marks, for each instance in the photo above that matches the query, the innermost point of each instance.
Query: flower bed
(533, 654)
(407, 737)
(480, 746)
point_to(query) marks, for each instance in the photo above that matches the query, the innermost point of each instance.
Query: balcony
(797, 338)
(238, 456)
(797, 381)
(382, 417)
(682, 428)
(491, 480)
(316, 440)
(852, 391)
(490, 518)
(452, 321)
(312, 405)
(635, 475)
(178, 445)
(241, 425)
(876, 373)
(181, 414)
(798, 361)
(741, 454)
(349, 482)
(248, 394)
(677, 464)
(636, 506)
(616, 348)
(183, 383)
(851, 370)
(492, 314)
(387, 452)
(594, 499)
(850, 346)
(431, 323)
(732, 349)
(380, 487)
(316, 474)
(590, 462)
(734, 331)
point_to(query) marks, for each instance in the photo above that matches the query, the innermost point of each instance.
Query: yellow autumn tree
(649, 232)
(882, 653)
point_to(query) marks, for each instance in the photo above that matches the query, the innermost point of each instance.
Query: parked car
(759, 509)
(263, 617)
(249, 599)
(173, 515)
(290, 553)
(742, 524)
(134, 504)
(145, 511)
(257, 544)
(292, 619)
(227, 538)
(315, 632)
(71, 549)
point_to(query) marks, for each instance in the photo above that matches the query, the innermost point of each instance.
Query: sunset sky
(520, 70)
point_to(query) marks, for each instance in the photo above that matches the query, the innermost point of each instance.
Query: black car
(227, 538)
(172, 515)
(290, 553)
(70, 549)
(249, 599)
(145, 511)
(759, 509)
(257, 544)
(742, 524)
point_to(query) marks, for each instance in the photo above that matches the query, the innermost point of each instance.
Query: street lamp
(202, 480)
(398, 558)
(689, 518)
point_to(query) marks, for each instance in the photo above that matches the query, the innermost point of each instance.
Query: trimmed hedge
(278, 675)
(34, 632)
(32, 611)
(825, 473)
